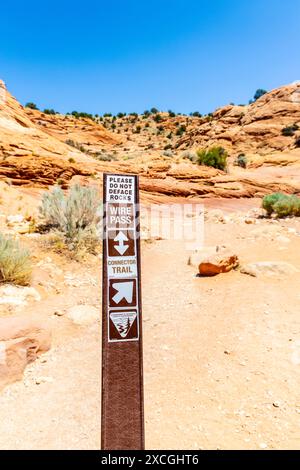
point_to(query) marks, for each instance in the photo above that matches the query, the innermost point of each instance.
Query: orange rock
(21, 341)
(218, 263)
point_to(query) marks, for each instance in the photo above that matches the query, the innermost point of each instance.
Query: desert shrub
(49, 111)
(196, 114)
(215, 157)
(76, 145)
(31, 105)
(154, 110)
(287, 205)
(73, 216)
(259, 93)
(282, 205)
(167, 153)
(71, 160)
(104, 157)
(289, 131)
(77, 114)
(181, 130)
(15, 265)
(157, 118)
(297, 142)
(171, 113)
(188, 155)
(168, 147)
(270, 200)
(241, 160)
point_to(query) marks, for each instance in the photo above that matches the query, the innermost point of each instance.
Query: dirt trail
(220, 357)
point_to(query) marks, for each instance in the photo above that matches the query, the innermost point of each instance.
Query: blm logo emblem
(123, 325)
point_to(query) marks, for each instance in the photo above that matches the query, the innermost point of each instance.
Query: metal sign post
(122, 420)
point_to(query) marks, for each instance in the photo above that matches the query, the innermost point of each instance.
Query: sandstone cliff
(39, 149)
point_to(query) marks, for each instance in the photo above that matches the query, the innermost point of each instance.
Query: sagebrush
(72, 216)
(15, 264)
(215, 157)
(283, 205)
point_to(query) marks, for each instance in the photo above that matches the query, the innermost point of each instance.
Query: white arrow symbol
(125, 291)
(121, 238)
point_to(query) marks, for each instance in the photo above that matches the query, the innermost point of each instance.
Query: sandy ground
(221, 355)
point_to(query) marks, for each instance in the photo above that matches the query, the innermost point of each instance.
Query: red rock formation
(22, 339)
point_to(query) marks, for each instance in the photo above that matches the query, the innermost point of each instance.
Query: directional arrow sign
(121, 238)
(125, 291)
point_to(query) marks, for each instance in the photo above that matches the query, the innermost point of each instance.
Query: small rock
(59, 313)
(41, 380)
(263, 445)
(215, 215)
(276, 404)
(83, 314)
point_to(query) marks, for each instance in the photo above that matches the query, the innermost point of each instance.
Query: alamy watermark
(178, 222)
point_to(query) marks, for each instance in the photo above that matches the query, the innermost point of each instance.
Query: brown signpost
(122, 420)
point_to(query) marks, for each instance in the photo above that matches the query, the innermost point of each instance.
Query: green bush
(282, 205)
(289, 131)
(15, 265)
(270, 200)
(31, 105)
(259, 93)
(78, 115)
(215, 157)
(286, 206)
(157, 118)
(104, 157)
(241, 160)
(76, 145)
(180, 130)
(49, 111)
(73, 216)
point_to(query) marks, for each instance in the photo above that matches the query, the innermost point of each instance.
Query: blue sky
(127, 55)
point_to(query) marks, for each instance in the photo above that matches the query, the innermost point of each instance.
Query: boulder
(22, 340)
(218, 263)
(269, 268)
(17, 295)
(83, 314)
